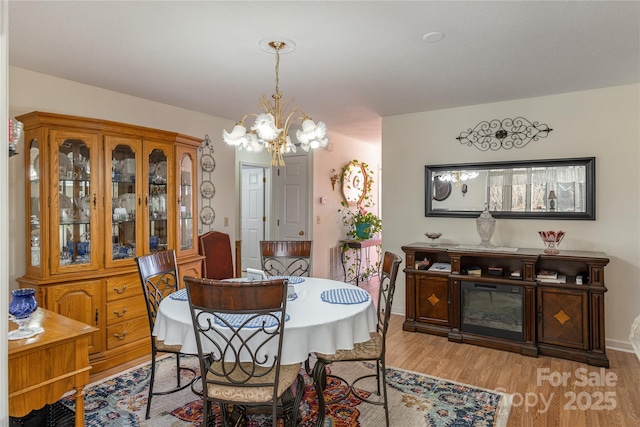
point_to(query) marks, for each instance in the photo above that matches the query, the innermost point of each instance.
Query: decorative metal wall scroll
(207, 189)
(507, 133)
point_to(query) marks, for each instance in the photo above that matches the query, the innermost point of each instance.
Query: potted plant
(362, 223)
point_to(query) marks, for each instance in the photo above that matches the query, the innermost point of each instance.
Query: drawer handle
(124, 311)
(118, 291)
(120, 337)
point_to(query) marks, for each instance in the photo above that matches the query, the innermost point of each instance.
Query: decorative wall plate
(207, 215)
(207, 189)
(207, 162)
(441, 189)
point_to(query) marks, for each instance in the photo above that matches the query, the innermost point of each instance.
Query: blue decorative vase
(363, 230)
(22, 305)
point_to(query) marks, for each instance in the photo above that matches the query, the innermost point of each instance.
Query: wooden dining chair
(372, 350)
(159, 278)
(239, 330)
(216, 248)
(286, 257)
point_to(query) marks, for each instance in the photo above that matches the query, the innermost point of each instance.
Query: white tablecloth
(313, 325)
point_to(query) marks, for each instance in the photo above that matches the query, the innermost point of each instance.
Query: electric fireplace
(492, 310)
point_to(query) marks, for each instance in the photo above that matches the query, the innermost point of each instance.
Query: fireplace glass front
(492, 310)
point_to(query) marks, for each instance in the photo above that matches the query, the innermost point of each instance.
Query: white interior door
(292, 222)
(253, 214)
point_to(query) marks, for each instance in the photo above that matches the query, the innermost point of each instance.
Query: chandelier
(458, 176)
(270, 128)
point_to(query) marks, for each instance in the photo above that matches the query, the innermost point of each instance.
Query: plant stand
(353, 264)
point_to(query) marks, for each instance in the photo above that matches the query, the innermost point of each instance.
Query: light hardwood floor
(531, 380)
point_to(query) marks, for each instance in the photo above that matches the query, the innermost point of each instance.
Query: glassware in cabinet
(74, 155)
(186, 201)
(157, 198)
(33, 205)
(124, 198)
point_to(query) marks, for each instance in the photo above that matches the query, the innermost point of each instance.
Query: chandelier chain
(277, 46)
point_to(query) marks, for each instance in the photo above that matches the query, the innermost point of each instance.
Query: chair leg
(320, 383)
(178, 368)
(384, 390)
(378, 367)
(205, 411)
(153, 374)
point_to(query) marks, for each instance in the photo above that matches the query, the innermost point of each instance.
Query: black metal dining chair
(159, 278)
(239, 329)
(372, 350)
(286, 257)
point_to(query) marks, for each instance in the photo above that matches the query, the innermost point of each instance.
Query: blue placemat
(292, 279)
(180, 295)
(236, 320)
(344, 296)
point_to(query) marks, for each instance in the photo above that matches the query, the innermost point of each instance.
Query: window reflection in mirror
(563, 188)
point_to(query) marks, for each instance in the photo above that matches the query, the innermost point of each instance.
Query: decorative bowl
(433, 236)
(552, 239)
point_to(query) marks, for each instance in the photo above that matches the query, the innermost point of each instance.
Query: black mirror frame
(590, 191)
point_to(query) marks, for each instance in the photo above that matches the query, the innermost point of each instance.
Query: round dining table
(324, 316)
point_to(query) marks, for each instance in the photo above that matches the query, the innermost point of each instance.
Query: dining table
(323, 316)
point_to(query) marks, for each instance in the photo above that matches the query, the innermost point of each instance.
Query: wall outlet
(226, 221)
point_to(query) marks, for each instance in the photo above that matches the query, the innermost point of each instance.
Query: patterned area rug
(414, 400)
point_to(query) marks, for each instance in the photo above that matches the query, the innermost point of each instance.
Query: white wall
(32, 91)
(603, 123)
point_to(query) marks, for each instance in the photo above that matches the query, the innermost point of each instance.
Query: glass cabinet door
(33, 206)
(123, 199)
(186, 202)
(75, 204)
(157, 199)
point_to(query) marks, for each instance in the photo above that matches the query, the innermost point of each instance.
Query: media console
(521, 314)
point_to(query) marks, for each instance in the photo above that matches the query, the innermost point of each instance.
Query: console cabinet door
(80, 301)
(563, 317)
(432, 296)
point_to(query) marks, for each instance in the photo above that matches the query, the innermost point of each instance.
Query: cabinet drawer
(126, 309)
(127, 332)
(123, 287)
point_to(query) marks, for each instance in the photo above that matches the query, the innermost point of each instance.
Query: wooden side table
(44, 367)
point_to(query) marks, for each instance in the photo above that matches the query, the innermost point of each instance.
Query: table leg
(79, 417)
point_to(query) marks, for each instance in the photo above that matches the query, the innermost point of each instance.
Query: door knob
(301, 233)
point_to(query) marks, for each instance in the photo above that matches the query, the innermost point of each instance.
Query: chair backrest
(240, 324)
(388, 274)
(159, 278)
(286, 257)
(216, 248)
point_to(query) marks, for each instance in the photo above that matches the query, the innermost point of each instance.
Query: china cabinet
(99, 194)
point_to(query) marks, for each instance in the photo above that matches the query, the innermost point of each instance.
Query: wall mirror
(553, 189)
(354, 182)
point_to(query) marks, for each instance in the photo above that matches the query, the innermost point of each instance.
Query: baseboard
(619, 345)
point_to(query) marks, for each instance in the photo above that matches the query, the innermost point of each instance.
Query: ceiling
(354, 63)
